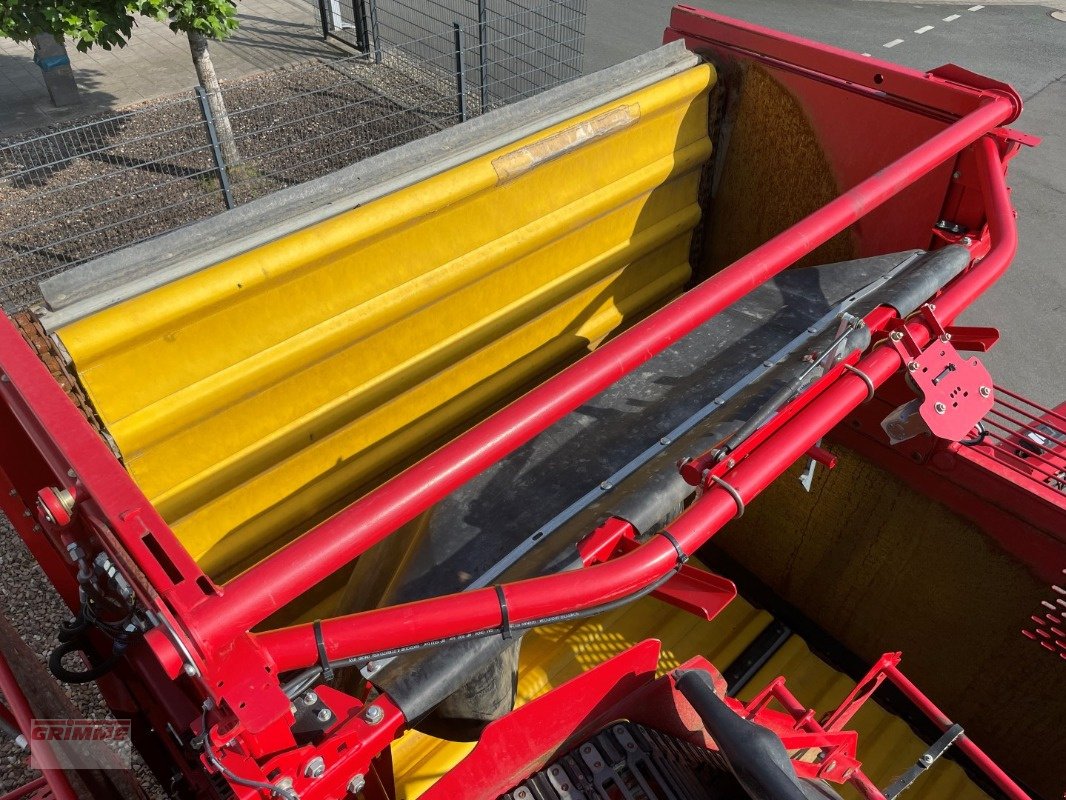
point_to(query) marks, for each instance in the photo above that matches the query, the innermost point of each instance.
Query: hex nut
(356, 784)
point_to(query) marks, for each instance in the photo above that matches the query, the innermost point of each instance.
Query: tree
(109, 23)
(201, 21)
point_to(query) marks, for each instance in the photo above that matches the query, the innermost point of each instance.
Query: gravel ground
(69, 194)
(28, 600)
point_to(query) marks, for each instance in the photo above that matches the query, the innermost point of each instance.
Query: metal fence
(70, 195)
(518, 48)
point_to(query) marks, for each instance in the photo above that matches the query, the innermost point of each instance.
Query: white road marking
(952, 18)
(924, 28)
(975, 8)
(893, 43)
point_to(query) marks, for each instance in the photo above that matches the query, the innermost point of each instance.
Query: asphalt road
(1021, 44)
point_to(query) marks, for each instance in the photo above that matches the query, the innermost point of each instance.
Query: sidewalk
(156, 63)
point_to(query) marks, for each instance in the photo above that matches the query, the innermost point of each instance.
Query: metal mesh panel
(70, 195)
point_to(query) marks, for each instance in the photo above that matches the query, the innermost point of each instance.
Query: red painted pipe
(963, 743)
(23, 714)
(283, 576)
(25, 792)
(451, 615)
(1000, 217)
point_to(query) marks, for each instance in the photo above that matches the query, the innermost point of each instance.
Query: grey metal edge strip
(119, 276)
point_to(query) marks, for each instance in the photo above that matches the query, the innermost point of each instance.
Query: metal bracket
(816, 455)
(926, 760)
(956, 392)
(697, 591)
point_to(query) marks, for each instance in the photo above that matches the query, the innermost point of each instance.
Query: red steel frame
(538, 597)
(625, 687)
(207, 633)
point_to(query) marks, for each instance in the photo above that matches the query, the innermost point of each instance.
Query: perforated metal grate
(1048, 628)
(630, 762)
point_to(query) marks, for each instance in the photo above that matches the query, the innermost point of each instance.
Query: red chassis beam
(212, 623)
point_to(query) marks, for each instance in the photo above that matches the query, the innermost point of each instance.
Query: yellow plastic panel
(251, 396)
(553, 655)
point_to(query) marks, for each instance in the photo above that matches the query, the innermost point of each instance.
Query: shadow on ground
(27, 106)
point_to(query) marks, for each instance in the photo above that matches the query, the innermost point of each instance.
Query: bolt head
(985, 391)
(309, 699)
(356, 784)
(606, 486)
(940, 408)
(315, 768)
(284, 783)
(945, 337)
(190, 670)
(324, 715)
(926, 759)
(913, 366)
(896, 335)
(374, 714)
(966, 240)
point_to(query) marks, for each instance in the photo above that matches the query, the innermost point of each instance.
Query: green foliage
(109, 23)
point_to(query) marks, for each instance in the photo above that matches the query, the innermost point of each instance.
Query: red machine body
(207, 656)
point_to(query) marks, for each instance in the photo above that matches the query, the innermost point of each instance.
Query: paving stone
(156, 63)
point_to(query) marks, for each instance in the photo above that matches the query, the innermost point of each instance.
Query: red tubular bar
(456, 614)
(964, 743)
(1020, 425)
(280, 578)
(1045, 411)
(23, 714)
(24, 792)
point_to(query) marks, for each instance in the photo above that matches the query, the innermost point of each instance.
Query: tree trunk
(50, 54)
(205, 73)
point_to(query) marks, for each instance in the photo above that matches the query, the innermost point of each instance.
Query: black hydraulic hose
(755, 754)
(97, 670)
(978, 438)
